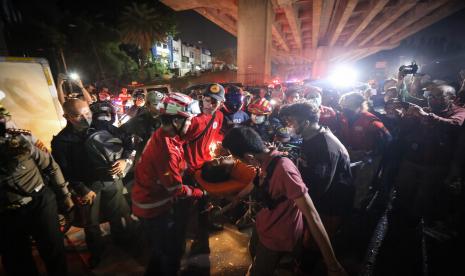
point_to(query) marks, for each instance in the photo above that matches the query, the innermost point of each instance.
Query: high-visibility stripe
(173, 188)
(153, 204)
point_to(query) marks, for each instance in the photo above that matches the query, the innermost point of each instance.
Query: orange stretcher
(241, 176)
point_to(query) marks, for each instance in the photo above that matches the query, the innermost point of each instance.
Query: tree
(228, 56)
(142, 26)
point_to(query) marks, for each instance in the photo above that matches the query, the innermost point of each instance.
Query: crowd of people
(307, 157)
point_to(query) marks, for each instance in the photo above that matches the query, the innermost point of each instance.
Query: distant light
(343, 76)
(273, 102)
(275, 81)
(74, 76)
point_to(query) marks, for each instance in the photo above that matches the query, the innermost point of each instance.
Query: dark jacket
(142, 126)
(69, 151)
(21, 172)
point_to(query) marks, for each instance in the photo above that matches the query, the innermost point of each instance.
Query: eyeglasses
(430, 95)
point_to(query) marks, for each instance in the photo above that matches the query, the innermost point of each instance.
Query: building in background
(206, 59)
(182, 57)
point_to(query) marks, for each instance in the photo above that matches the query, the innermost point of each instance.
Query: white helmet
(179, 104)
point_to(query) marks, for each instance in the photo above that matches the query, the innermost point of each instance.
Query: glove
(189, 191)
(197, 193)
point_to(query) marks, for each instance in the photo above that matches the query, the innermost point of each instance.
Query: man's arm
(305, 205)
(454, 121)
(84, 91)
(60, 93)
(47, 164)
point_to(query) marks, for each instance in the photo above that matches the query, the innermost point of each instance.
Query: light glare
(343, 76)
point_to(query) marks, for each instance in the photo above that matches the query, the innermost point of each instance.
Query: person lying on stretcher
(225, 177)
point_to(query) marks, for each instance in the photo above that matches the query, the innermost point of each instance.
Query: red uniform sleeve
(381, 134)
(171, 177)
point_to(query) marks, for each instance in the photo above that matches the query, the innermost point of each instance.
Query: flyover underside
(318, 33)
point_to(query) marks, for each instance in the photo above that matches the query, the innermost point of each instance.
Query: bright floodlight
(74, 76)
(343, 76)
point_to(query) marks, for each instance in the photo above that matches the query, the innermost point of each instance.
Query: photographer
(427, 146)
(72, 79)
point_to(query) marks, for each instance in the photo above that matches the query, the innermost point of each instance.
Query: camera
(409, 69)
(67, 77)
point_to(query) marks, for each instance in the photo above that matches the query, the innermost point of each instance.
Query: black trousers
(166, 249)
(183, 209)
(110, 203)
(265, 260)
(38, 219)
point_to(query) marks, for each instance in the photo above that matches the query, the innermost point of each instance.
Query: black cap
(215, 91)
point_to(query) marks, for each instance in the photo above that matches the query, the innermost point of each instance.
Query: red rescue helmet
(260, 106)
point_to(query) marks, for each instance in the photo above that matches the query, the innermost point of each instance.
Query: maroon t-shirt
(280, 229)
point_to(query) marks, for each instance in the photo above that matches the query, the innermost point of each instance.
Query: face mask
(84, 123)
(104, 117)
(260, 119)
(437, 106)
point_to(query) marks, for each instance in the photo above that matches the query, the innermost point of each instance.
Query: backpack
(261, 193)
(103, 149)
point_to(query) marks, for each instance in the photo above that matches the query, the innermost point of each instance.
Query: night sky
(193, 27)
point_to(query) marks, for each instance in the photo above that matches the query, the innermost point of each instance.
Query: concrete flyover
(306, 36)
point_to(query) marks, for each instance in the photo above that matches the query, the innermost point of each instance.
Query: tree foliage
(91, 34)
(142, 26)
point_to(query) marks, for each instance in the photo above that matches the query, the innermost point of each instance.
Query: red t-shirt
(124, 97)
(158, 175)
(198, 152)
(280, 229)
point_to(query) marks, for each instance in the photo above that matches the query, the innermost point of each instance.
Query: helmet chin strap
(179, 131)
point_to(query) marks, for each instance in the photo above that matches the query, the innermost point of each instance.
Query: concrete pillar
(320, 63)
(255, 18)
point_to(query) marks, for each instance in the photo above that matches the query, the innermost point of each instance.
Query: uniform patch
(214, 89)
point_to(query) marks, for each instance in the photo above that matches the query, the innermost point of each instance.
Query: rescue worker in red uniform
(158, 182)
(365, 137)
(205, 129)
(431, 154)
(200, 139)
(328, 117)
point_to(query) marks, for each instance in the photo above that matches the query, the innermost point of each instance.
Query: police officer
(28, 203)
